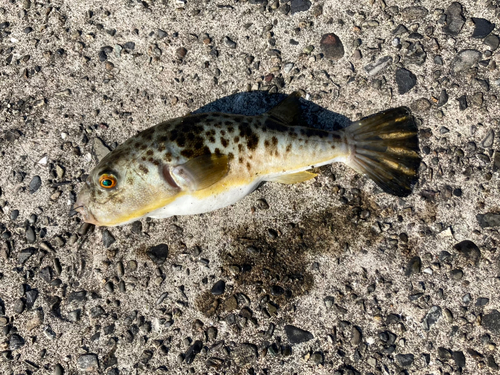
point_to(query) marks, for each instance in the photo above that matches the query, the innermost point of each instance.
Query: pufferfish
(202, 162)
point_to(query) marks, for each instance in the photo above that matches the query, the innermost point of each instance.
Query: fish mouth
(86, 214)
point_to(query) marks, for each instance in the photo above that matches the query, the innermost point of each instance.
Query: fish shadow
(258, 102)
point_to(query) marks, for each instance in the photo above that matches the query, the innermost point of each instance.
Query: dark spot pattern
(224, 142)
(143, 168)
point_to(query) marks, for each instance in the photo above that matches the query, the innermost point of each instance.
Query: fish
(206, 161)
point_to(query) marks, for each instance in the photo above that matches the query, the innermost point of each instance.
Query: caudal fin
(384, 146)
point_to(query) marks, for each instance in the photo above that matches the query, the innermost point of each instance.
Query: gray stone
(332, 46)
(432, 316)
(469, 250)
(299, 6)
(488, 220)
(88, 362)
(405, 80)
(482, 28)
(296, 335)
(465, 60)
(413, 267)
(158, 254)
(491, 321)
(107, 238)
(35, 184)
(25, 254)
(492, 41)
(16, 342)
(405, 360)
(378, 66)
(455, 19)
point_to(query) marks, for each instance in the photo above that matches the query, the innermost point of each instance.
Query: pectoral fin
(198, 173)
(294, 177)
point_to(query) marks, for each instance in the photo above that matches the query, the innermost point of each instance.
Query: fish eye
(107, 181)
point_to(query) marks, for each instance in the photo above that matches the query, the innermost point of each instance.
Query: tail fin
(384, 146)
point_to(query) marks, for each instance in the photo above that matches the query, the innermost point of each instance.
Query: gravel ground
(330, 276)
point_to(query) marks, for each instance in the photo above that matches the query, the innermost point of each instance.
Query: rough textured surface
(377, 284)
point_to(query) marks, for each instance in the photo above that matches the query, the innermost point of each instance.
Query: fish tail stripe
(384, 146)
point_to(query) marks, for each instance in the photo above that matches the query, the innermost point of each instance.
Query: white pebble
(396, 42)
(63, 135)
(43, 161)
(428, 271)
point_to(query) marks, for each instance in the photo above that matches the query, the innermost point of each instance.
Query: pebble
(469, 250)
(443, 98)
(456, 274)
(492, 41)
(414, 266)
(58, 370)
(482, 28)
(192, 351)
(158, 254)
(488, 139)
(379, 66)
(432, 316)
(356, 336)
(25, 254)
(88, 362)
(181, 52)
(491, 321)
(332, 46)
(16, 342)
(465, 60)
(455, 19)
(299, 6)
(107, 238)
(129, 45)
(405, 360)
(218, 288)
(30, 235)
(230, 43)
(297, 335)
(405, 80)
(35, 184)
(488, 220)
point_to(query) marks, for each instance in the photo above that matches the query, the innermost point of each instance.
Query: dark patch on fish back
(143, 168)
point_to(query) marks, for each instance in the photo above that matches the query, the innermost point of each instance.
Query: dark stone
(296, 335)
(444, 354)
(459, 358)
(19, 306)
(107, 238)
(405, 360)
(462, 102)
(181, 52)
(492, 41)
(491, 362)
(158, 254)
(405, 80)
(16, 342)
(31, 296)
(25, 254)
(192, 351)
(299, 6)
(482, 301)
(218, 288)
(146, 356)
(102, 56)
(413, 267)
(469, 250)
(432, 316)
(491, 321)
(416, 54)
(276, 290)
(455, 19)
(332, 46)
(88, 362)
(58, 370)
(482, 28)
(35, 184)
(97, 311)
(129, 45)
(488, 220)
(77, 297)
(46, 274)
(443, 98)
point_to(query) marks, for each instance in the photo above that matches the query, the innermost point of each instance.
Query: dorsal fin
(289, 111)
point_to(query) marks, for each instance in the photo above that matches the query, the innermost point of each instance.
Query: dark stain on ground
(277, 262)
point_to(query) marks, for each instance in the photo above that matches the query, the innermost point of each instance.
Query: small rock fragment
(296, 335)
(379, 66)
(88, 362)
(158, 254)
(299, 6)
(455, 19)
(332, 46)
(482, 28)
(491, 321)
(218, 288)
(489, 219)
(35, 184)
(465, 60)
(405, 360)
(432, 316)
(405, 80)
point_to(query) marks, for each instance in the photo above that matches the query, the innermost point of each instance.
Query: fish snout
(81, 206)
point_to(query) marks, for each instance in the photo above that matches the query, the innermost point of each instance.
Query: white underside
(191, 205)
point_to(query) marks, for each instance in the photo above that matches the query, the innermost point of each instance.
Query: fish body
(202, 162)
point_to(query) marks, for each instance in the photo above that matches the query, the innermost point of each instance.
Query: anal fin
(294, 178)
